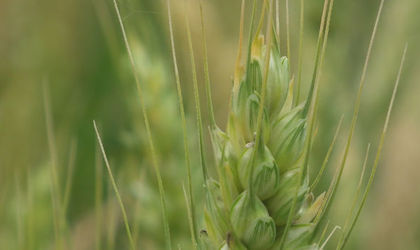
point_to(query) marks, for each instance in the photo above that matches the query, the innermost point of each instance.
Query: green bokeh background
(75, 49)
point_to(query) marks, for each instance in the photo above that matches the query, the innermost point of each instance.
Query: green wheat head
(263, 197)
(260, 159)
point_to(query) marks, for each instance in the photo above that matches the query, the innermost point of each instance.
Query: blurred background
(63, 64)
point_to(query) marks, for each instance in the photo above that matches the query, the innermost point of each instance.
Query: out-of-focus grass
(76, 47)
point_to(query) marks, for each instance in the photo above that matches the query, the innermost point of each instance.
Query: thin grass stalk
(148, 131)
(184, 127)
(114, 186)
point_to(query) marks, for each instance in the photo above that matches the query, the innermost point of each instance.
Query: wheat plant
(250, 183)
(263, 197)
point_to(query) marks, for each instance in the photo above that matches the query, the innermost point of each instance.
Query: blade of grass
(114, 186)
(378, 153)
(184, 127)
(148, 131)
